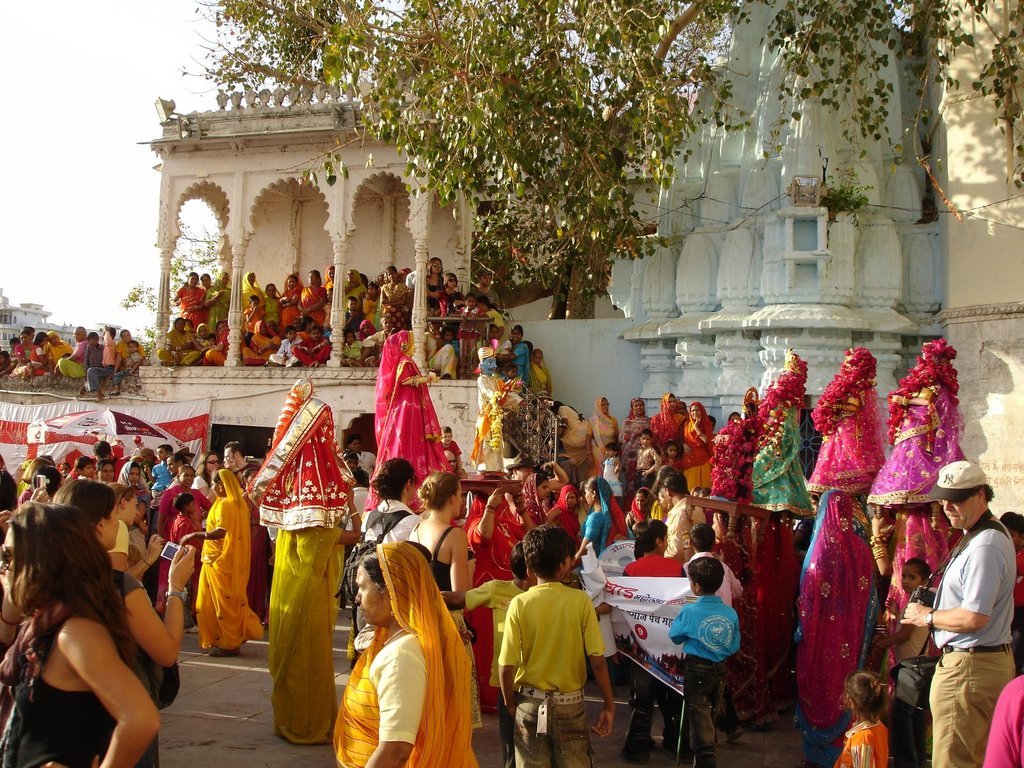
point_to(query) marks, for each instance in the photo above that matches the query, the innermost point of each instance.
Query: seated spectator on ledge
(285, 355)
(56, 349)
(314, 351)
(260, 345)
(34, 354)
(179, 349)
(6, 366)
(73, 366)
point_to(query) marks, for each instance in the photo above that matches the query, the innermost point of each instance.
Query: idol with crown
(495, 397)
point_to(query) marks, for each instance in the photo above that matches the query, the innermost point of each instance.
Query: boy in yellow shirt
(549, 631)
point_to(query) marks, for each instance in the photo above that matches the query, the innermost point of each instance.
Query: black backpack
(381, 523)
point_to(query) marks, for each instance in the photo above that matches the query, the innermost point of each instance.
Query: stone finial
(319, 93)
(236, 100)
(279, 94)
(222, 100)
(264, 97)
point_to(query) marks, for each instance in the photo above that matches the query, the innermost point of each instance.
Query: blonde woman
(441, 495)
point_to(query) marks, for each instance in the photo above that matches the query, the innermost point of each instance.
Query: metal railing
(533, 429)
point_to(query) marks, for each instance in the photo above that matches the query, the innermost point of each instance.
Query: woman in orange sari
(225, 619)
(314, 298)
(697, 435)
(191, 299)
(407, 701)
(289, 302)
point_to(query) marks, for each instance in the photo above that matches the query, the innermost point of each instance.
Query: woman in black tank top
(56, 575)
(441, 494)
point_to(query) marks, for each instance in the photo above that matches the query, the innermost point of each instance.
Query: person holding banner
(648, 690)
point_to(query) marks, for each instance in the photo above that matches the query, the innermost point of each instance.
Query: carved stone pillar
(163, 305)
(340, 247)
(234, 358)
(419, 225)
(419, 306)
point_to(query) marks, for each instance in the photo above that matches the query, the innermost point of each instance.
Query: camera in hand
(170, 550)
(923, 596)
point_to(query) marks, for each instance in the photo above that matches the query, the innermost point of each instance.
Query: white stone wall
(253, 397)
(589, 359)
(989, 340)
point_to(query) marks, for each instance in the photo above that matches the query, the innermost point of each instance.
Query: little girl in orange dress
(867, 741)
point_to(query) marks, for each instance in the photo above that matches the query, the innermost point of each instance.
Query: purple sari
(836, 613)
(927, 440)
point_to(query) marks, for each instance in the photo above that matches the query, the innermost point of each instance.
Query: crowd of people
(470, 603)
(291, 326)
(94, 359)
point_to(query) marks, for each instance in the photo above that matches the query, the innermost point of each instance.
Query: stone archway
(380, 235)
(288, 221)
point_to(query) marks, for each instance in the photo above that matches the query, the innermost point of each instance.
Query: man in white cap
(971, 619)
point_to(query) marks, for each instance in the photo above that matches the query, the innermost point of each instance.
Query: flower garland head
(732, 465)
(785, 392)
(934, 367)
(856, 376)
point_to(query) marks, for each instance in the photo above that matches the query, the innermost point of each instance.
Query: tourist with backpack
(393, 520)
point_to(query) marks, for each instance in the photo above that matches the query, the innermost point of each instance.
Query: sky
(80, 196)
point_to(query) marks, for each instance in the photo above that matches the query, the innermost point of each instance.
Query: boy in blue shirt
(162, 475)
(709, 632)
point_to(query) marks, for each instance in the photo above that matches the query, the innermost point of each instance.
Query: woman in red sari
(190, 300)
(314, 298)
(668, 423)
(290, 298)
(566, 512)
(697, 435)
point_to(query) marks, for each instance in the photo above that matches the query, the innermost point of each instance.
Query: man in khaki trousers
(971, 620)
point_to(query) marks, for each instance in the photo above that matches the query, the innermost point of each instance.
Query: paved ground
(222, 719)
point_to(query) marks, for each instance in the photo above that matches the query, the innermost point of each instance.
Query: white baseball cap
(958, 482)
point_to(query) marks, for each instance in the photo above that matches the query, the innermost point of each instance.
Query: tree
(196, 251)
(554, 116)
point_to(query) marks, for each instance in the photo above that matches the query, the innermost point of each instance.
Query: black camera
(923, 596)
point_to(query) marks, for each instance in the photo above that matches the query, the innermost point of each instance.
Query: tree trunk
(586, 282)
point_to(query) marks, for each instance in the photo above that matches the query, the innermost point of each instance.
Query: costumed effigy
(846, 415)
(495, 396)
(779, 486)
(836, 612)
(406, 424)
(924, 429)
(303, 491)
(734, 450)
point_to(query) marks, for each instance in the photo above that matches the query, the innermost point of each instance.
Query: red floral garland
(732, 466)
(934, 367)
(856, 375)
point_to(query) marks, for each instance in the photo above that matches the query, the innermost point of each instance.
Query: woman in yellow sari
(251, 288)
(225, 619)
(56, 348)
(407, 700)
(540, 376)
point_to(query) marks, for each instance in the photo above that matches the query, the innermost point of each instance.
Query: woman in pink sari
(629, 438)
(406, 424)
(667, 424)
(836, 618)
(847, 418)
